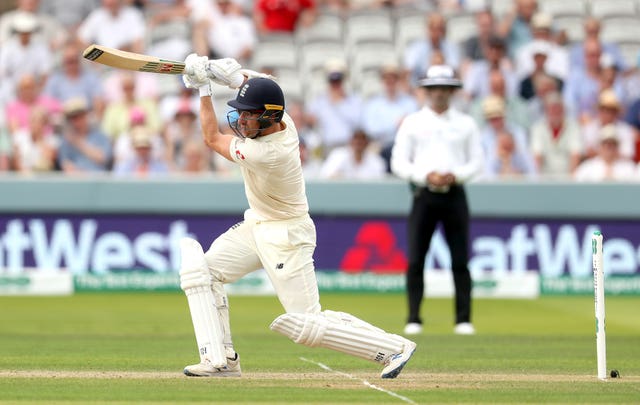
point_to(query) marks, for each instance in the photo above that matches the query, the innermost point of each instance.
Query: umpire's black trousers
(428, 209)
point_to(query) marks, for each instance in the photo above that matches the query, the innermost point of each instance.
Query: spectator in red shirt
(272, 16)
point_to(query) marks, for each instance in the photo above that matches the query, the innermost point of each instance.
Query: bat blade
(131, 61)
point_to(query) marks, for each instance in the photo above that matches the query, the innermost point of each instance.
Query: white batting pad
(196, 282)
(340, 331)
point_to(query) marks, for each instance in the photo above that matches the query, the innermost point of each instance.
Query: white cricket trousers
(283, 248)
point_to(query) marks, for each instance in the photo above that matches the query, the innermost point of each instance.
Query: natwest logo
(375, 249)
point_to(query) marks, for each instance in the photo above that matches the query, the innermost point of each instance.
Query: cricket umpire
(437, 149)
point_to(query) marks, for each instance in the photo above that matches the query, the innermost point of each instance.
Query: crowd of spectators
(546, 107)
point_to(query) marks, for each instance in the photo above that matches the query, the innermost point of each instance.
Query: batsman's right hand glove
(225, 72)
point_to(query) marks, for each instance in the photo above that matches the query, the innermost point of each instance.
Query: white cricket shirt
(272, 173)
(428, 142)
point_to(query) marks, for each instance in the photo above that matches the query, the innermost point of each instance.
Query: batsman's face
(245, 123)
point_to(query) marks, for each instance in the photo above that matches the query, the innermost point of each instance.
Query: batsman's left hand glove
(195, 76)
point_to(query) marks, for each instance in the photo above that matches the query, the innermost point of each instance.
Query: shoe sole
(218, 374)
(396, 371)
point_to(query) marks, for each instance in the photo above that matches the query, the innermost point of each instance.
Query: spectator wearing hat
(143, 162)
(24, 54)
(383, 112)
(123, 149)
(540, 53)
(335, 113)
(83, 148)
(557, 63)
(516, 108)
(437, 150)
(418, 53)
(505, 145)
(49, 30)
(475, 81)
(354, 161)
(555, 141)
(607, 164)
(609, 114)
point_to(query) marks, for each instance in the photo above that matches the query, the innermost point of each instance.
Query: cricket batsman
(277, 234)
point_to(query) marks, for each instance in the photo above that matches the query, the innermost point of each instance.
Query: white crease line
(365, 382)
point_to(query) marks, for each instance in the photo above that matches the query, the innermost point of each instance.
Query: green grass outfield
(131, 348)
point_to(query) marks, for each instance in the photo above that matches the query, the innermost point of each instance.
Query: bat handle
(187, 71)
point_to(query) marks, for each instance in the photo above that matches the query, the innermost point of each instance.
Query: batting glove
(225, 72)
(195, 76)
(250, 74)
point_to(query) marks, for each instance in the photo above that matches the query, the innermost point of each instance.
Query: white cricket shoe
(464, 328)
(396, 362)
(232, 369)
(413, 328)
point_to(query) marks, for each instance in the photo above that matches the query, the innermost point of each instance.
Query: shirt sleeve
(475, 156)
(251, 154)
(402, 156)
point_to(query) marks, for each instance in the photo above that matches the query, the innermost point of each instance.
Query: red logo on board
(374, 250)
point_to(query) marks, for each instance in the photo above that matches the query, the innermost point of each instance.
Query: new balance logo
(279, 266)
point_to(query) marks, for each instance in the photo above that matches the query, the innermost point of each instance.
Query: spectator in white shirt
(558, 58)
(555, 139)
(438, 149)
(115, 25)
(225, 32)
(607, 165)
(24, 54)
(36, 148)
(354, 161)
(50, 30)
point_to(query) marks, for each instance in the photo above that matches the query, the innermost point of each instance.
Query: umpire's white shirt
(272, 173)
(430, 142)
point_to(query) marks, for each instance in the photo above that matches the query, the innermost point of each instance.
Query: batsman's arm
(211, 134)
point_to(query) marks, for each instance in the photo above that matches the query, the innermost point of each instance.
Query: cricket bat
(132, 61)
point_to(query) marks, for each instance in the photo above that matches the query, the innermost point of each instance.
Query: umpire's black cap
(259, 94)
